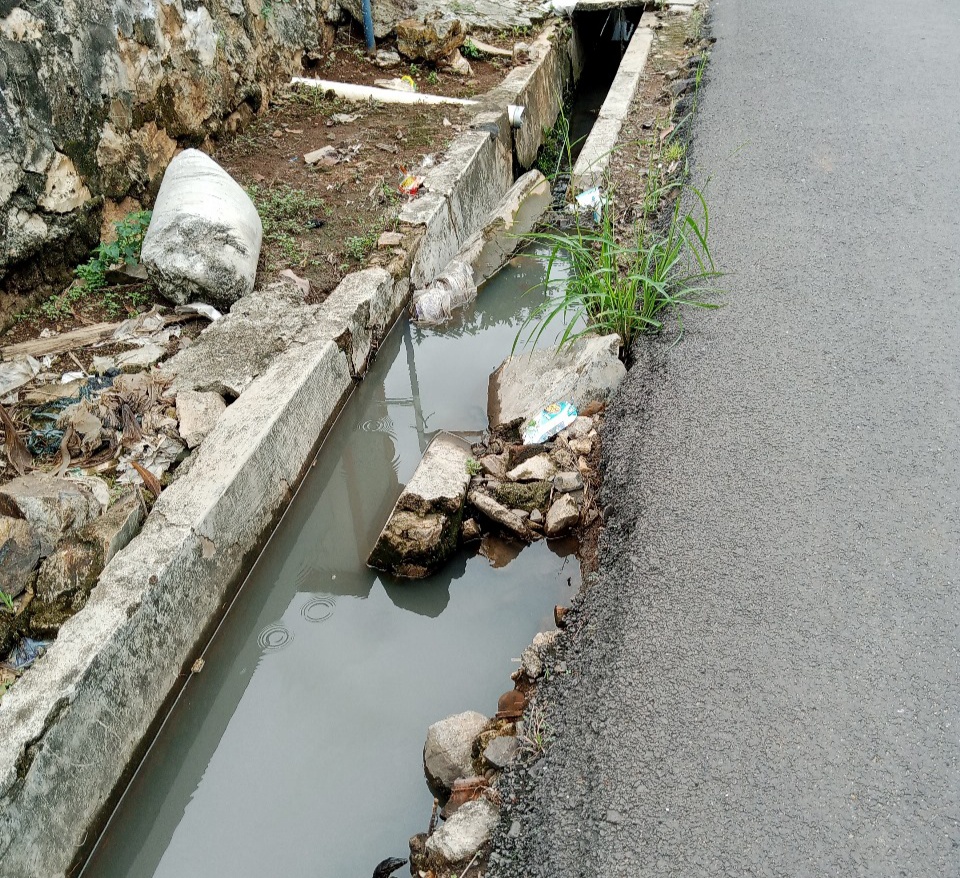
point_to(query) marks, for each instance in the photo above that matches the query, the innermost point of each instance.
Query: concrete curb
(72, 726)
(594, 158)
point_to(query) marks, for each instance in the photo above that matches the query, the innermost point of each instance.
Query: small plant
(473, 467)
(432, 77)
(469, 49)
(674, 152)
(125, 248)
(536, 735)
(284, 212)
(359, 246)
(6, 600)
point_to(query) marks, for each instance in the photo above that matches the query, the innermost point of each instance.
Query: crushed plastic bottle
(437, 302)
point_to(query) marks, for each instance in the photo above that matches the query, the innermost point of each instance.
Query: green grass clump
(284, 212)
(126, 248)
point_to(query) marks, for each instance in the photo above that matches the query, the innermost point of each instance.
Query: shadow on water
(297, 750)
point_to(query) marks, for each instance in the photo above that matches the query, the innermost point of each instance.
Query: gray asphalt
(763, 680)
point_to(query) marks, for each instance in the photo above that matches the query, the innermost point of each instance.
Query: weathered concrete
(197, 415)
(482, 14)
(588, 369)
(421, 532)
(69, 727)
(594, 158)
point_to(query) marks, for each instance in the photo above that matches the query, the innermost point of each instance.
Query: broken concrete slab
(198, 414)
(459, 838)
(423, 527)
(19, 554)
(499, 514)
(204, 238)
(517, 213)
(533, 658)
(585, 370)
(448, 751)
(54, 507)
(535, 469)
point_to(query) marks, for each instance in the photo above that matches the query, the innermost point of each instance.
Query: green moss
(523, 495)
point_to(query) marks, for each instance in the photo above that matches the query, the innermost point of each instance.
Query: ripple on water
(274, 637)
(318, 608)
(378, 425)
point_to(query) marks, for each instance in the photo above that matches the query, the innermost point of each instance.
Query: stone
(457, 64)
(198, 414)
(532, 658)
(19, 554)
(565, 483)
(389, 239)
(536, 469)
(468, 830)
(465, 790)
(514, 830)
(581, 446)
(422, 530)
(326, 156)
(520, 53)
(499, 514)
(385, 58)
(54, 507)
(579, 428)
(536, 516)
(587, 369)
(487, 250)
(495, 465)
(501, 751)
(562, 515)
(470, 530)
(63, 191)
(429, 40)
(448, 751)
(204, 238)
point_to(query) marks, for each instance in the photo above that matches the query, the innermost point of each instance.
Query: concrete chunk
(19, 554)
(422, 530)
(198, 414)
(467, 830)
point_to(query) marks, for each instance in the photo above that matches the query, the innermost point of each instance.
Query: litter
(592, 199)
(548, 422)
(453, 289)
(205, 310)
(16, 373)
(25, 653)
(403, 83)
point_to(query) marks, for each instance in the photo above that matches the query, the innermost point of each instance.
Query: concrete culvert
(205, 235)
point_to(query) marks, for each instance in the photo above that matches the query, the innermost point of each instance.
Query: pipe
(352, 92)
(368, 26)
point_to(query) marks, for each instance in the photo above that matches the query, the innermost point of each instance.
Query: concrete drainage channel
(71, 729)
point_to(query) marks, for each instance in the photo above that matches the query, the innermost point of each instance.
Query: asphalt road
(764, 678)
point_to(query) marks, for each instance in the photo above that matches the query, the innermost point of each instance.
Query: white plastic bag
(453, 289)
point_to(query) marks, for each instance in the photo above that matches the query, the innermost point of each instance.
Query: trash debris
(592, 199)
(202, 308)
(303, 284)
(403, 83)
(410, 184)
(328, 156)
(548, 422)
(344, 118)
(386, 58)
(453, 289)
(17, 453)
(24, 654)
(16, 373)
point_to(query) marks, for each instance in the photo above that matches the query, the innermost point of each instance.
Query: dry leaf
(150, 481)
(17, 453)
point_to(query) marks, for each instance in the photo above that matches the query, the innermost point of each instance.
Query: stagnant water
(296, 752)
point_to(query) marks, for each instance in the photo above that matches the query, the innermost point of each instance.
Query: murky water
(297, 751)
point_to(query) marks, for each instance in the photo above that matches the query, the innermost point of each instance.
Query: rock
(448, 751)
(499, 514)
(520, 53)
(514, 831)
(495, 465)
(326, 156)
(386, 58)
(53, 507)
(581, 446)
(198, 414)
(532, 658)
(204, 239)
(501, 751)
(565, 483)
(536, 469)
(422, 530)
(19, 554)
(579, 428)
(614, 816)
(487, 49)
(389, 239)
(457, 840)
(562, 515)
(465, 790)
(429, 40)
(536, 516)
(457, 64)
(560, 614)
(68, 575)
(488, 249)
(587, 369)
(470, 530)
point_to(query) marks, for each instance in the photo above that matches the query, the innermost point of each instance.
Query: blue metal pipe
(368, 26)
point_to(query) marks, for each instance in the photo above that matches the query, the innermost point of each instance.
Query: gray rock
(326, 156)
(385, 58)
(448, 751)
(205, 235)
(470, 530)
(19, 554)
(499, 513)
(564, 483)
(495, 465)
(535, 469)
(532, 658)
(514, 831)
(198, 414)
(477, 15)
(422, 530)
(562, 515)
(587, 370)
(579, 428)
(500, 751)
(429, 40)
(469, 829)
(536, 516)
(53, 507)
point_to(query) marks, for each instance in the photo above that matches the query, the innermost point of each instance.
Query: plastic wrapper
(453, 289)
(548, 422)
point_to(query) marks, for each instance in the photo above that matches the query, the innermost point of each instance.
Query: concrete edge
(591, 166)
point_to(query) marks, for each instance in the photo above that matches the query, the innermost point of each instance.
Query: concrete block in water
(422, 530)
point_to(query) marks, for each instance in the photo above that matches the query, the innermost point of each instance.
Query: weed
(473, 467)
(6, 600)
(595, 282)
(360, 246)
(284, 212)
(556, 147)
(469, 49)
(432, 77)
(126, 248)
(674, 152)
(536, 733)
